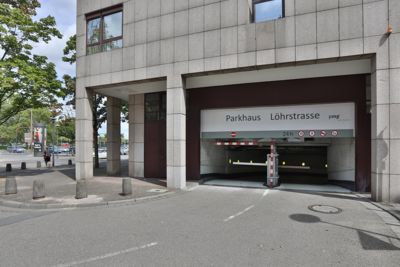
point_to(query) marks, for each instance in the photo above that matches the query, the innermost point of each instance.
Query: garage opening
(318, 149)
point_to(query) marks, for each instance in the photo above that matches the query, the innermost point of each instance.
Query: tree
(13, 130)
(26, 80)
(99, 102)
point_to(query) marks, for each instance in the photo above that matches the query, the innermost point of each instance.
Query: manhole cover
(324, 209)
(157, 190)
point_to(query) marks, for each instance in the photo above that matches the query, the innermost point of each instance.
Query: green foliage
(13, 130)
(26, 80)
(70, 50)
(66, 129)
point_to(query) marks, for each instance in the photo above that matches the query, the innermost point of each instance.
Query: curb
(38, 206)
(381, 206)
(386, 209)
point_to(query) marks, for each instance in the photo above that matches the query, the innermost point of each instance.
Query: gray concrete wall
(171, 38)
(341, 159)
(212, 158)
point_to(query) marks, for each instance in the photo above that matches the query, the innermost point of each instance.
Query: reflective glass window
(93, 31)
(112, 26)
(264, 10)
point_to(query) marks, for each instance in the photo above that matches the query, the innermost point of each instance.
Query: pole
(54, 128)
(31, 130)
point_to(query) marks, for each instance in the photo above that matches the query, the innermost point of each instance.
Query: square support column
(113, 136)
(176, 133)
(380, 131)
(136, 135)
(83, 133)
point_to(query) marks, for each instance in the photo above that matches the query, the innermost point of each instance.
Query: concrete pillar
(136, 135)
(385, 185)
(176, 133)
(113, 136)
(83, 133)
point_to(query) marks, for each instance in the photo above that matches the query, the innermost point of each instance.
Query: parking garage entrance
(301, 144)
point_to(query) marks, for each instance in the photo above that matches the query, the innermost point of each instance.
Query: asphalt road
(208, 226)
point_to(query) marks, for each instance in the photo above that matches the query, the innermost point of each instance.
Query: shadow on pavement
(369, 240)
(329, 195)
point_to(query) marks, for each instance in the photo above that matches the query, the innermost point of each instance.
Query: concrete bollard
(70, 162)
(126, 186)
(23, 165)
(8, 167)
(81, 189)
(38, 164)
(38, 189)
(11, 186)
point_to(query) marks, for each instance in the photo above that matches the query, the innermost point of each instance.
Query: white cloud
(64, 12)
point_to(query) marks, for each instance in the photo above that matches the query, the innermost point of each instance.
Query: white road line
(105, 256)
(265, 192)
(238, 214)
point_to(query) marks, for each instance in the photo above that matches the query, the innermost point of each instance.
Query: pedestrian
(46, 157)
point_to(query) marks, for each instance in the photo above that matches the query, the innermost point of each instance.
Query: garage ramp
(283, 186)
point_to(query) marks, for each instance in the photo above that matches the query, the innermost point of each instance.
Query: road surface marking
(265, 192)
(105, 256)
(238, 214)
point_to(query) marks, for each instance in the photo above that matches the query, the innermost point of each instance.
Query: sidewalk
(60, 188)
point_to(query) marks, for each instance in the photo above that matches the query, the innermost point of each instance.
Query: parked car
(102, 153)
(124, 150)
(16, 149)
(57, 150)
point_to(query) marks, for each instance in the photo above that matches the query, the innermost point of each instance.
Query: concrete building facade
(175, 60)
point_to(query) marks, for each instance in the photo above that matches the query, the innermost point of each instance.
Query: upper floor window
(104, 30)
(264, 10)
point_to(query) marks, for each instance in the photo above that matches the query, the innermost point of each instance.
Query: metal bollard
(70, 162)
(126, 186)
(11, 186)
(38, 189)
(23, 165)
(81, 189)
(8, 167)
(38, 164)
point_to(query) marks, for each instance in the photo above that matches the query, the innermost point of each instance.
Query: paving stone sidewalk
(60, 188)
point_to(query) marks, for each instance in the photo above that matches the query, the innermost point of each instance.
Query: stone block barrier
(126, 186)
(11, 186)
(38, 189)
(81, 189)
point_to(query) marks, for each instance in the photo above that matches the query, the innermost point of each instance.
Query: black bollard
(11, 186)
(70, 162)
(38, 189)
(23, 165)
(8, 167)
(81, 189)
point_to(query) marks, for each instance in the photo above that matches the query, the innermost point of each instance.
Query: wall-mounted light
(389, 30)
(303, 164)
(283, 163)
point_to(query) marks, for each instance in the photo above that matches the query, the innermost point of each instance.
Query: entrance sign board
(319, 120)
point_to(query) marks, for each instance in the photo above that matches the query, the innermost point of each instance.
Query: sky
(64, 12)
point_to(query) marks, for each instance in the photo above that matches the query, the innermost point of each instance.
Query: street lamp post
(54, 127)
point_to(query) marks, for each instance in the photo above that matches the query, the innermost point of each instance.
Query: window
(264, 10)
(104, 30)
(155, 106)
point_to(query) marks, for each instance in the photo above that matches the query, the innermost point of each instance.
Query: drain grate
(325, 209)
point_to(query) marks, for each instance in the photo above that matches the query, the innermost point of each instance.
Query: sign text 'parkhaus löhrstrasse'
(338, 116)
